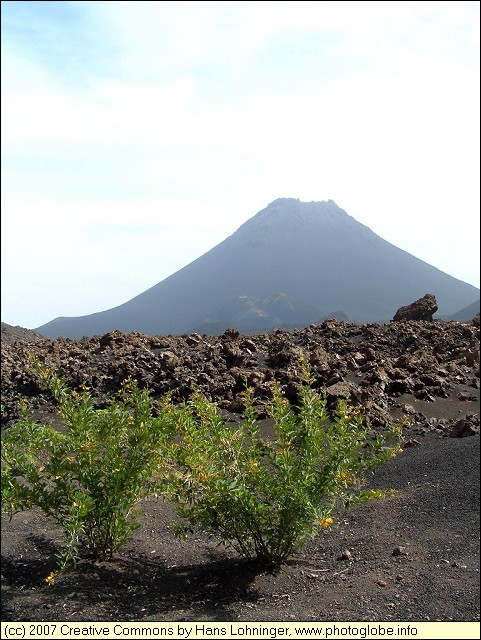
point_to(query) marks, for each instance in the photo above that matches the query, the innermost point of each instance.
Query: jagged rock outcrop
(422, 309)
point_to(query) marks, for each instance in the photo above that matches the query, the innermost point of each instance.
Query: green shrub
(89, 477)
(265, 497)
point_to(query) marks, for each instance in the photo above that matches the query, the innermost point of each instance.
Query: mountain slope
(290, 265)
(466, 314)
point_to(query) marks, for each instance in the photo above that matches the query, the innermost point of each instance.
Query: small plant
(88, 478)
(265, 497)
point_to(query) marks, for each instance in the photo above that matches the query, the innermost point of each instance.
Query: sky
(136, 136)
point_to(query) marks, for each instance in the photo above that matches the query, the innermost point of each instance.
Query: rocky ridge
(425, 370)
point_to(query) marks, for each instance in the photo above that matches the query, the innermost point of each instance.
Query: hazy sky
(138, 135)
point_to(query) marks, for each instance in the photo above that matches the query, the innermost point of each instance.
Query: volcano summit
(292, 264)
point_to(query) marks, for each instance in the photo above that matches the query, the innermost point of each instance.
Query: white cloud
(173, 123)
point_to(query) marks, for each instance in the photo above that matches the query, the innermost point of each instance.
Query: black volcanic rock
(422, 309)
(291, 265)
(428, 370)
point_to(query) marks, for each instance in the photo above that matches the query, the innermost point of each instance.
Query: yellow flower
(393, 452)
(115, 470)
(325, 523)
(344, 476)
(377, 494)
(50, 579)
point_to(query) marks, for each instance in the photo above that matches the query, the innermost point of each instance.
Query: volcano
(291, 265)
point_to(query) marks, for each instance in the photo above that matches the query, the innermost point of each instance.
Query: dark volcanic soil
(411, 557)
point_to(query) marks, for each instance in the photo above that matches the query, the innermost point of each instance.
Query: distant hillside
(12, 334)
(466, 314)
(291, 265)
